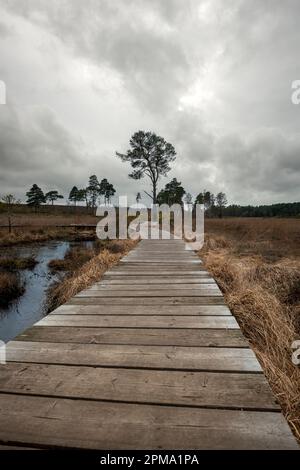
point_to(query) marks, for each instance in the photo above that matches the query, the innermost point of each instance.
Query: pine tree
(35, 197)
(149, 155)
(53, 196)
(109, 193)
(73, 196)
(103, 188)
(171, 194)
(221, 202)
(93, 190)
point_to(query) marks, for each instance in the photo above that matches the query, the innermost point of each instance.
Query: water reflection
(31, 307)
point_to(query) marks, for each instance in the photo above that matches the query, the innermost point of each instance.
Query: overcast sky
(211, 76)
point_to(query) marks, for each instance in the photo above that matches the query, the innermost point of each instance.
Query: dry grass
(74, 259)
(41, 219)
(38, 235)
(263, 293)
(89, 273)
(10, 288)
(14, 264)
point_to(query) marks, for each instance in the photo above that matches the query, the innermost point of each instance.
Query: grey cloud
(151, 61)
(34, 147)
(235, 61)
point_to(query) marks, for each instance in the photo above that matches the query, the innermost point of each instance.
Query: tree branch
(148, 195)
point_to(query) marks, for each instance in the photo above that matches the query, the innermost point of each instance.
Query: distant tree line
(289, 209)
(94, 193)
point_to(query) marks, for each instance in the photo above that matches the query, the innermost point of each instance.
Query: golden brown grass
(263, 292)
(10, 288)
(74, 259)
(38, 235)
(89, 273)
(41, 219)
(14, 264)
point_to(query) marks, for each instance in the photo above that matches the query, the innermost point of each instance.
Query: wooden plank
(131, 356)
(150, 336)
(159, 255)
(176, 310)
(167, 253)
(166, 257)
(108, 286)
(159, 263)
(145, 301)
(140, 321)
(128, 426)
(119, 270)
(208, 389)
(205, 291)
(148, 280)
(185, 268)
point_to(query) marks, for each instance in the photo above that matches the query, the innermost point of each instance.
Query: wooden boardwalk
(150, 357)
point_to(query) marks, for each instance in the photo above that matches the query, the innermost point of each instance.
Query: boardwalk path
(150, 357)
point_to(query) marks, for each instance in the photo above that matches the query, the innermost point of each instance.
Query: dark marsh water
(32, 305)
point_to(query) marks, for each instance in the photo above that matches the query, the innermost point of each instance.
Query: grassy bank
(257, 265)
(15, 264)
(38, 235)
(11, 288)
(74, 259)
(82, 275)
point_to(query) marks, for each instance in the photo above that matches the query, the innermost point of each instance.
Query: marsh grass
(263, 294)
(44, 234)
(11, 288)
(15, 264)
(89, 273)
(74, 259)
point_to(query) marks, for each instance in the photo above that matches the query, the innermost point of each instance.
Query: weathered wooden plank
(203, 291)
(140, 321)
(108, 286)
(150, 267)
(149, 336)
(151, 262)
(221, 390)
(176, 310)
(131, 356)
(157, 256)
(145, 301)
(152, 256)
(149, 281)
(162, 251)
(119, 270)
(166, 254)
(128, 426)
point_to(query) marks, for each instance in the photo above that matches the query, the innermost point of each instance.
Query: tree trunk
(154, 190)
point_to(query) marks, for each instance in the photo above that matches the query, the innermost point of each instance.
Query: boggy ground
(256, 263)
